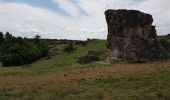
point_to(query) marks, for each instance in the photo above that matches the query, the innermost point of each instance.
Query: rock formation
(90, 57)
(131, 36)
(87, 59)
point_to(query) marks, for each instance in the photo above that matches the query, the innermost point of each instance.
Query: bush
(168, 35)
(17, 51)
(8, 35)
(43, 47)
(69, 48)
(165, 44)
(1, 38)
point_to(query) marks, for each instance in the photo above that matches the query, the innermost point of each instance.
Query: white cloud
(26, 20)
(68, 7)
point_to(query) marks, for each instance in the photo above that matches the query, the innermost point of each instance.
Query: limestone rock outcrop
(131, 36)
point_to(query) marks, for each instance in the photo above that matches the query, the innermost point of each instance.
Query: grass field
(59, 60)
(61, 78)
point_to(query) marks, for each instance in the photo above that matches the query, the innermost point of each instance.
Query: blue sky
(73, 19)
(47, 4)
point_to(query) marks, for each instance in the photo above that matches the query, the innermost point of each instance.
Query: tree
(168, 35)
(1, 37)
(17, 51)
(8, 35)
(37, 38)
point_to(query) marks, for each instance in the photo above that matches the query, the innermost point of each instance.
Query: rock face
(131, 36)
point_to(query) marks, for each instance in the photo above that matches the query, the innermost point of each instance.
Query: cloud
(69, 7)
(86, 17)
(25, 19)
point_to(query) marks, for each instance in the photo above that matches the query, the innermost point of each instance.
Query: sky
(73, 19)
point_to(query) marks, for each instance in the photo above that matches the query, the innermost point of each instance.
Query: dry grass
(100, 71)
(60, 78)
(149, 81)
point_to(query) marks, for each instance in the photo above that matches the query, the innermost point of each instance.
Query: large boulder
(90, 57)
(131, 36)
(87, 59)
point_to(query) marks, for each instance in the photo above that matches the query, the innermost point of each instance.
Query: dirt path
(116, 70)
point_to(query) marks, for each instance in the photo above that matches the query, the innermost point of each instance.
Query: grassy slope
(59, 61)
(61, 78)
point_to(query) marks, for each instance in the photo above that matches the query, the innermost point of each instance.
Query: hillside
(60, 77)
(58, 59)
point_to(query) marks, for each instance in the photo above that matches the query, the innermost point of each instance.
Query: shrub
(165, 44)
(69, 48)
(43, 47)
(8, 35)
(1, 37)
(168, 35)
(17, 51)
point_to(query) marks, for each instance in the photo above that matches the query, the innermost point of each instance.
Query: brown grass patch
(91, 73)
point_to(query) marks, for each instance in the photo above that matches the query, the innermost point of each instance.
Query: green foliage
(37, 39)
(1, 37)
(168, 35)
(17, 51)
(107, 45)
(8, 35)
(59, 59)
(165, 43)
(43, 47)
(69, 48)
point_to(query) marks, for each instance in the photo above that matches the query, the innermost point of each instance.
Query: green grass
(152, 86)
(59, 60)
(61, 78)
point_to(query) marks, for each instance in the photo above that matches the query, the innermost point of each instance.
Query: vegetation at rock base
(165, 42)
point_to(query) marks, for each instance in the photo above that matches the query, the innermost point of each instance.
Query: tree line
(16, 51)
